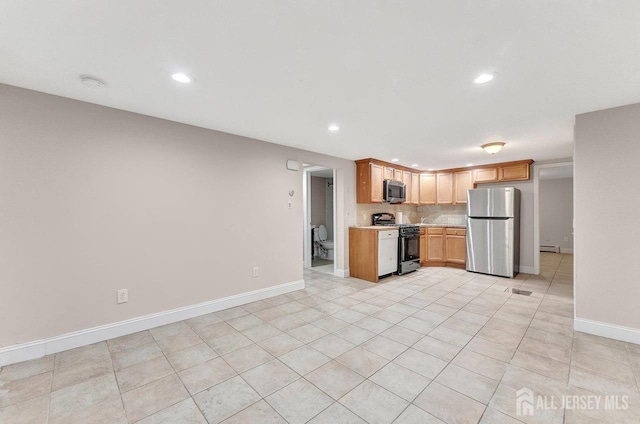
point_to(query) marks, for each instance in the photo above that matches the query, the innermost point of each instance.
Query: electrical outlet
(256, 271)
(566, 239)
(123, 296)
(290, 204)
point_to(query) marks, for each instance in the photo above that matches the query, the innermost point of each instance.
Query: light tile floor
(437, 345)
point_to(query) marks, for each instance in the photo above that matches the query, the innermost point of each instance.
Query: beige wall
(607, 228)
(318, 201)
(94, 199)
(556, 213)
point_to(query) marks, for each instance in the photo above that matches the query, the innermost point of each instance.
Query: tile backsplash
(436, 214)
(443, 214)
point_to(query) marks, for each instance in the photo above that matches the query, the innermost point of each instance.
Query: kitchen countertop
(443, 225)
(377, 227)
(391, 227)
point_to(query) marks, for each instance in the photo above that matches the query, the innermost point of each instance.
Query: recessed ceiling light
(334, 128)
(182, 77)
(483, 78)
(414, 165)
(469, 164)
(92, 82)
(395, 160)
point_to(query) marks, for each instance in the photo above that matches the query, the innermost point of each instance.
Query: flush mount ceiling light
(415, 165)
(469, 164)
(395, 160)
(484, 78)
(181, 77)
(334, 128)
(92, 82)
(493, 148)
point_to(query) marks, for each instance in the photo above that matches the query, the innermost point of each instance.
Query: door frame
(536, 209)
(306, 206)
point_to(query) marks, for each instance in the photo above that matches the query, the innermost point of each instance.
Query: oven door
(409, 247)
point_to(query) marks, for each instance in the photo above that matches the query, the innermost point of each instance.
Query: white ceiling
(397, 77)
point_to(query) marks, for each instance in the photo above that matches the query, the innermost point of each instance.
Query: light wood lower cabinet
(456, 246)
(435, 246)
(363, 254)
(444, 247)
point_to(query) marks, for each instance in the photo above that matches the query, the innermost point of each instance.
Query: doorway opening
(553, 218)
(319, 219)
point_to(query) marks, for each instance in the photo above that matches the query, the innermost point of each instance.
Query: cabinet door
(376, 183)
(388, 173)
(517, 172)
(463, 182)
(485, 175)
(427, 189)
(444, 182)
(456, 249)
(397, 175)
(415, 189)
(423, 247)
(406, 179)
(435, 248)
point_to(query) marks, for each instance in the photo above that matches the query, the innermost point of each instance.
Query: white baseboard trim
(566, 250)
(527, 269)
(39, 348)
(344, 273)
(611, 331)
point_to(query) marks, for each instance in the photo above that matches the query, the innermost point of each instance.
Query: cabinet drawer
(423, 231)
(435, 230)
(456, 231)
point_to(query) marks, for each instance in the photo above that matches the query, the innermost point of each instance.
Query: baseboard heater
(549, 248)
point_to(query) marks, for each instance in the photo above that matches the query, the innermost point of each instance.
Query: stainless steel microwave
(394, 191)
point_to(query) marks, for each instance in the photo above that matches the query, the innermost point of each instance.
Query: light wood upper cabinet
(456, 245)
(415, 189)
(427, 189)
(370, 178)
(463, 182)
(518, 171)
(446, 187)
(444, 195)
(388, 173)
(515, 172)
(407, 180)
(485, 175)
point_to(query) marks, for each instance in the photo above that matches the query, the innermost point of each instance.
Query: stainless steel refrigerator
(493, 231)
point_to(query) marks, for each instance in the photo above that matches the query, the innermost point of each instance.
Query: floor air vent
(518, 291)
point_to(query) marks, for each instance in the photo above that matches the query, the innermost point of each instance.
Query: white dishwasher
(387, 252)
